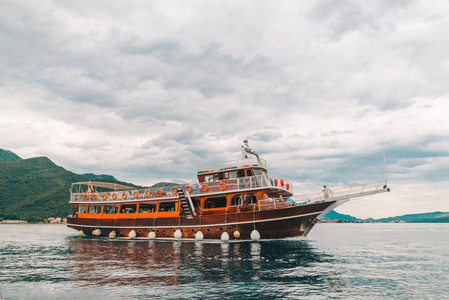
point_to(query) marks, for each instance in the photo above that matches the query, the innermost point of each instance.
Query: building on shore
(54, 220)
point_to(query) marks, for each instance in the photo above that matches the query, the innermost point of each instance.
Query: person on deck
(326, 192)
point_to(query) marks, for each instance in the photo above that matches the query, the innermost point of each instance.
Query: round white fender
(199, 235)
(80, 233)
(225, 236)
(132, 234)
(255, 235)
(236, 234)
(178, 234)
(152, 235)
(112, 234)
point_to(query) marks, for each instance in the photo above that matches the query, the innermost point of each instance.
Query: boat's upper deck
(232, 165)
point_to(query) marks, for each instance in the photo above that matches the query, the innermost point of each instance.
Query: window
(167, 206)
(250, 199)
(232, 174)
(236, 200)
(110, 209)
(147, 207)
(82, 209)
(215, 202)
(208, 178)
(249, 173)
(94, 209)
(241, 173)
(128, 208)
(257, 172)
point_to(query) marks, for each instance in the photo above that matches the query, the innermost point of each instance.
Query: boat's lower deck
(270, 224)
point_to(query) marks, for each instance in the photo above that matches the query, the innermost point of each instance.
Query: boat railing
(275, 203)
(340, 193)
(155, 193)
(128, 195)
(241, 183)
(231, 165)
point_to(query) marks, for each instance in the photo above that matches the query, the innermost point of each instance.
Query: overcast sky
(147, 90)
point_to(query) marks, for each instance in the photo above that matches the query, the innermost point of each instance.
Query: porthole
(140, 231)
(163, 231)
(208, 230)
(193, 230)
(221, 228)
(229, 228)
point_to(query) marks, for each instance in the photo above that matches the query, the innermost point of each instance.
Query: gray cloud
(147, 91)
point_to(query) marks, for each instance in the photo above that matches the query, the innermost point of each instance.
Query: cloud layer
(146, 91)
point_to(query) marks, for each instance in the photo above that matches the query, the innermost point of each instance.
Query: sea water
(336, 261)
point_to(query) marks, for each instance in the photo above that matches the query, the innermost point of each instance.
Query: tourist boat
(232, 200)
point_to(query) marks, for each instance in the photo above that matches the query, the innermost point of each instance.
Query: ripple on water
(349, 261)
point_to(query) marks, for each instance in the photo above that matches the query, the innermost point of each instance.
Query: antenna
(246, 149)
(385, 168)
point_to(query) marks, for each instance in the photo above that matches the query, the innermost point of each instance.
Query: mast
(247, 149)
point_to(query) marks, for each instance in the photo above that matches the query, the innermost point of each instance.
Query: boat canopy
(108, 185)
(232, 165)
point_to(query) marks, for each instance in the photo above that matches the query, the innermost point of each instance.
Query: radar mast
(246, 149)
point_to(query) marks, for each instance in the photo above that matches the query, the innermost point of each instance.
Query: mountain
(35, 189)
(334, 216)
(433, 217)
(6, 155)
(102, 176)
(162, 184)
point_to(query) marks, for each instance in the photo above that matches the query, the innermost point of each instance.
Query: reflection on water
(190, 269)
(49, 262)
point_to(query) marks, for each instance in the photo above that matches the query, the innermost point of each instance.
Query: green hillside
(433, 217)
(35, 189)
(333, 215)
(95, 177)
(6, 155)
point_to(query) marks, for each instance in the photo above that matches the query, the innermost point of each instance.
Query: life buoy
(189, 189)
(276, 182)
(105, 196)
(287, 186)
(124, 196)
(222, 186)
(159, 193)
(86, 197)
(114, 196)
(136, 194)
(147, 193)
(94, 197)
(282, 182)
(174, 190)
(204, 188)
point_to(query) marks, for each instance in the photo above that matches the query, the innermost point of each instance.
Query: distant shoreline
(13, 222)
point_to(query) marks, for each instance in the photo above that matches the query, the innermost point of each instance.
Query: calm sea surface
(336, 261)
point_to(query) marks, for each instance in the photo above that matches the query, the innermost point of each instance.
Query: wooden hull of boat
(271, 224)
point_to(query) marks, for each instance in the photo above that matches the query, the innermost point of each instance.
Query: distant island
(37, 190)
(432, 217)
